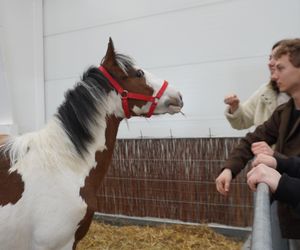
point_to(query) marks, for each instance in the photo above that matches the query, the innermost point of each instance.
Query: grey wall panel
(206, 49)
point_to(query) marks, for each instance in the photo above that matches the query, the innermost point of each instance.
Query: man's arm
(267, 132)
(290, 166)
(284, 188)
(288, 190)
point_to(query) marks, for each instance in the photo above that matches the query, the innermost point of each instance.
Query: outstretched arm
(241, 116)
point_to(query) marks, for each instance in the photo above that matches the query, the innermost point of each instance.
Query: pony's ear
(110, 57)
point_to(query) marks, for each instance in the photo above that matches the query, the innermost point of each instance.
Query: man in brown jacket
(282, 129)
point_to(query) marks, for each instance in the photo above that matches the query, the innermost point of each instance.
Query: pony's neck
(93, 180)
(105, 133)
(103, 159)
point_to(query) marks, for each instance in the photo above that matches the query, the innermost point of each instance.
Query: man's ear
(110, 56)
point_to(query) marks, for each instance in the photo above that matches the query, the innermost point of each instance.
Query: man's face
(286, 75)
(271, 63)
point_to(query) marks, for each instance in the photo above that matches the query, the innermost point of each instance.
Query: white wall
(6, 120)
(204, 48)
(21, 22)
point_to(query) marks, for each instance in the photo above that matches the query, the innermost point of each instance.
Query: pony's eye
(139, 73)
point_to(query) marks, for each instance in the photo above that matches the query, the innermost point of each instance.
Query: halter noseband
(128, 95)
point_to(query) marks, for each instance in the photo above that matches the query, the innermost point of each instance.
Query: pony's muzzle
(174, 104)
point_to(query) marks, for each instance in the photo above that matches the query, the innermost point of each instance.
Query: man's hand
(268, 160)
(265, 174)
(261, 148)
(233, 102)
(223, 181)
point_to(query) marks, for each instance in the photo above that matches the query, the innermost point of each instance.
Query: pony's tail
(15, 148)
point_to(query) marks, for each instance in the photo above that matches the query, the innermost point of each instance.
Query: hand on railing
(261, 147)
(268, 160)
(263, 171)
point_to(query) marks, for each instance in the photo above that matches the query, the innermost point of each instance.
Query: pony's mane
(125, 62)
(81, 106)
(80, 109)
(77, 116)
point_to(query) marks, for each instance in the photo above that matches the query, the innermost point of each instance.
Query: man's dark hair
(290, 47)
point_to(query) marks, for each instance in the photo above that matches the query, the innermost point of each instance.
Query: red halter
(128, 95)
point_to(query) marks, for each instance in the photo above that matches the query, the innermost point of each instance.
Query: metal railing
(265, 230)
(261, 230)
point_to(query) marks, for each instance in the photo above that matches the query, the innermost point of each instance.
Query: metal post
(261, 230)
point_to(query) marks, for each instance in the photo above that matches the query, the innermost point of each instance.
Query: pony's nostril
(180, 96)
(174, 102)
(180, 100)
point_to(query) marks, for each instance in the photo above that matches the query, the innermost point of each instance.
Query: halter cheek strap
(125, 95)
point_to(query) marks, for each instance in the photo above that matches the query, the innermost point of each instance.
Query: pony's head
(142, 94)
(116, 87)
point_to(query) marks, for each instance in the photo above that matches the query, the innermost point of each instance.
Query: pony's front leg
(69, 245)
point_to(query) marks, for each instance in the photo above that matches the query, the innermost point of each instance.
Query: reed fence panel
(174, 179)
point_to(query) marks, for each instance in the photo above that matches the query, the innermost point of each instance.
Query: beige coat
(257, 109)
